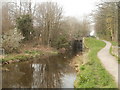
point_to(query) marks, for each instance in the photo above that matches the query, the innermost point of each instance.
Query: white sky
(76, 8)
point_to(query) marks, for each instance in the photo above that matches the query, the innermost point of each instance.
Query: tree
(25, 24)
(106, 21)
(118, 23)
(6, 23)
(76, 28)
(48, 17)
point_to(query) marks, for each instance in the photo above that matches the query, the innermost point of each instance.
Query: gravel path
(109, 62)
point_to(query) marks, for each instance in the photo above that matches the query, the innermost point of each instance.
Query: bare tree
(106, 20)
(5, 17)
(48, 16)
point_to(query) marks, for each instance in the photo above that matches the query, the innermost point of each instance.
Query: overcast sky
(76, 8)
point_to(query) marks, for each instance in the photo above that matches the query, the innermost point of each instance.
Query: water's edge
(50, 72)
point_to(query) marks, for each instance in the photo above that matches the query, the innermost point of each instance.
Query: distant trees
(42, 24)
(119, 23)
(76, 28)
(106, 21)
(6, 22)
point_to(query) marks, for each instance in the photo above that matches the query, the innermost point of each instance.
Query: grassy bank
(92, 74)
(25, 55)
(111, 52)
(114, 44)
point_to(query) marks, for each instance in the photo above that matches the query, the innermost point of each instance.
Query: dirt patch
(78, 60)
(37, 47)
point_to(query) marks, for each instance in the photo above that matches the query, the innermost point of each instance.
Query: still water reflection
(51, 72)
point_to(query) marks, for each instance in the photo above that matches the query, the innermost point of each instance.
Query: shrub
(11, 40)
(61, 42)
(25, 25)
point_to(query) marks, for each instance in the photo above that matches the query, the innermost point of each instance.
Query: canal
(49, 72)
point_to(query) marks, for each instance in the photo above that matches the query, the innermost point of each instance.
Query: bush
(11, 40)
(61, 42)
(25, 25)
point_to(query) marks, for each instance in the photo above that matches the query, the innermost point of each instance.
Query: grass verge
(111, 50)
(114, 43)
(25, 56)
(92, 74)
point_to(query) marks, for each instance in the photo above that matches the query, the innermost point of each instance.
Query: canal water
(49, 72)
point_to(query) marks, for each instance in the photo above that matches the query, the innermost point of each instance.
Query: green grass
(118, 58)
(13, 57)
(25, 55)
(114, 43)
(33, 52)
(92, 74)
(21, 56)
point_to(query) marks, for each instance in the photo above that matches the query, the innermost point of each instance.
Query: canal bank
(27, 54)
(50, 72)
(40, 67)
(92, 74)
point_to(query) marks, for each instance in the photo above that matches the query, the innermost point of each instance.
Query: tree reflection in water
(52, 72)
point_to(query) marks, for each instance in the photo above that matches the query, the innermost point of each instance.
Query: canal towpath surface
(109, 62)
